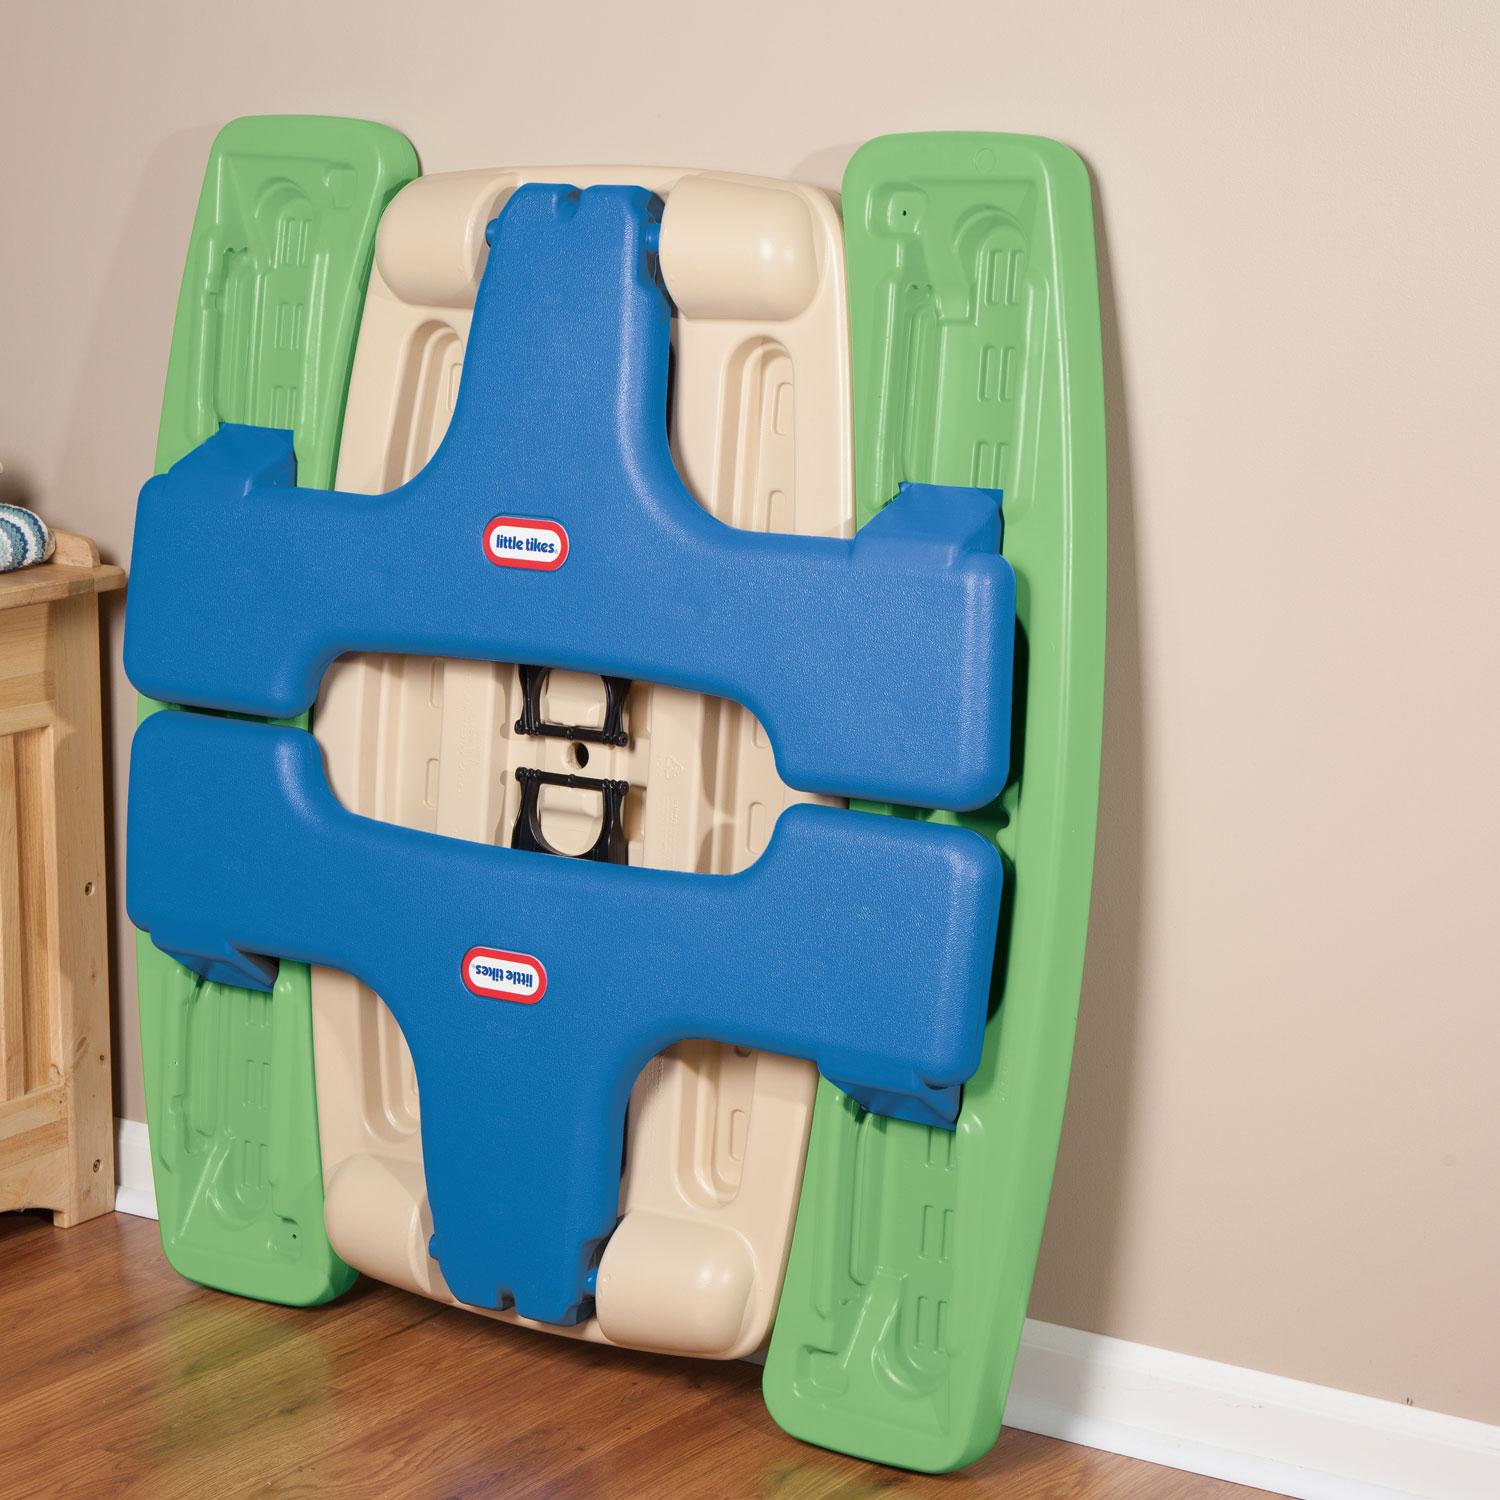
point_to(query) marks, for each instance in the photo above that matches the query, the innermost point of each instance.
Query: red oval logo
(526, 542)
(496, 974)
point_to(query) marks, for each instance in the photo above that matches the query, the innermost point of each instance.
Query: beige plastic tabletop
(760, 429)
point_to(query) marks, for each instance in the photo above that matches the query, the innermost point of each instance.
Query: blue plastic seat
(864, 943)
(845, 651)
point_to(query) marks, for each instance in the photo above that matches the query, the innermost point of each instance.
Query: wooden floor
(119, 1378)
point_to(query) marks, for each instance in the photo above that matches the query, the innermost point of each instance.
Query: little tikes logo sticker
(526, 542)
(494, 974)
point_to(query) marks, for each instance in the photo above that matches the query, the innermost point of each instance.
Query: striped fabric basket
(24, 538)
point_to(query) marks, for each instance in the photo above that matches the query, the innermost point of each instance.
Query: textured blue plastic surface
(864, 943)
(843, 650)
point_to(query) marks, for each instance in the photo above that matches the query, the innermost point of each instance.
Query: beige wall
(1283, 1144)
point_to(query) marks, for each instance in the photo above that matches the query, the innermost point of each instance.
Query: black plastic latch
(534, 682)
(609, 848)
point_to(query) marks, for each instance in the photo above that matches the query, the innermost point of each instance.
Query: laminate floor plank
(119, 1378)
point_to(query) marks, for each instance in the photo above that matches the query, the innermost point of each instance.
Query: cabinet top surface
(74, 568)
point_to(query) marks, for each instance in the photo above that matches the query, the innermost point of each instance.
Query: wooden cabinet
(56, 1123)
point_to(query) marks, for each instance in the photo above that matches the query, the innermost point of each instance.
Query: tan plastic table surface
(761, 434)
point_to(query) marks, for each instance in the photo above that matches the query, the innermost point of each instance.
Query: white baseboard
(1256, 1429)
(1231, 1423)
(135, 1191)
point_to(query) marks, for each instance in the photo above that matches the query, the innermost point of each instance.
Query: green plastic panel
(266, 325)
(974, 320)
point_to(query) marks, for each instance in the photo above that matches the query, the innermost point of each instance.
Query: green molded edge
(974, 325)
(266, 324)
